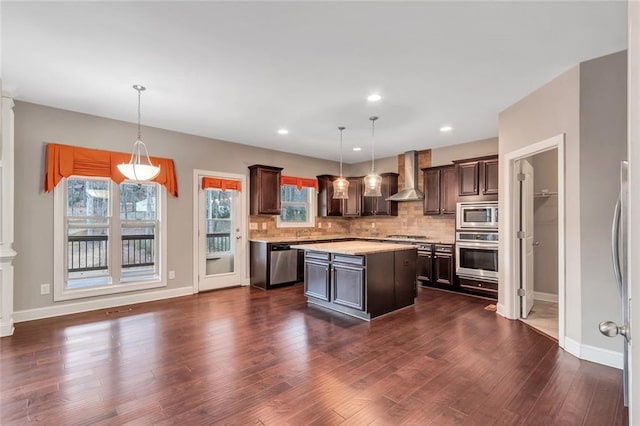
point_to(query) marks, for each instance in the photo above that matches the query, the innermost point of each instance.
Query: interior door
(526, 237)
(220, 245)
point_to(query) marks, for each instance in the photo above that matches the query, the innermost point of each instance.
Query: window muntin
(297, 207)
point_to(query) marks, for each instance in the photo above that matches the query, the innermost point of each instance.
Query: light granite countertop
(354, 247)
(340, 237)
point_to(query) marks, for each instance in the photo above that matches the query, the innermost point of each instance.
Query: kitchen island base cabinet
(364, 286)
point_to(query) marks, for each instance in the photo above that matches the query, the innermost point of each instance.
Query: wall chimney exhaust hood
(410, 191)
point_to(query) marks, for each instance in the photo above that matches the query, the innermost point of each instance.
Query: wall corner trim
(594, 354)
(91, 305)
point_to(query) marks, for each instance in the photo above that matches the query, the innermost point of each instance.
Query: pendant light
(341, 185)
(139, 168)
(372, 181)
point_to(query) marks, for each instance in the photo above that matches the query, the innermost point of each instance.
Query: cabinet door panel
(443, 269)
(448, 190)
(432, 191)
(353, 205)
(348, 286)
(425, 267)
(264, 189)
(490, 184)
(316, 283)
(327, 205)
(468, 179)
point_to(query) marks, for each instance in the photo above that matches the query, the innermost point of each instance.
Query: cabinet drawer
(319, 255)
(351, 260)
(485, 286)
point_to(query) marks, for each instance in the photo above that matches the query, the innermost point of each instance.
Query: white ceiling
(239, 71)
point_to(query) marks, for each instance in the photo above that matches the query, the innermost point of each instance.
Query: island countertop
(354, 248)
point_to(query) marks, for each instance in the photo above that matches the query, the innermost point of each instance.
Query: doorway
(538, 198)
(219, 231)
(513, 295)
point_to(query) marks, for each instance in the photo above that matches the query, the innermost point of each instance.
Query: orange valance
(219, 183)
(299, 182)
(64, 161)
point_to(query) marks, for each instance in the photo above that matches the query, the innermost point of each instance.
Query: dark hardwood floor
(249, 357)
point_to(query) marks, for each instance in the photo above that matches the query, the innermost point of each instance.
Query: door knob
(611, 329)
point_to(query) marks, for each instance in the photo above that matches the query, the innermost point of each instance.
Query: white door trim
(197, 173)
(508, 299)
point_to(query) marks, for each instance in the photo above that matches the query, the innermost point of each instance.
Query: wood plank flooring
(248, 357)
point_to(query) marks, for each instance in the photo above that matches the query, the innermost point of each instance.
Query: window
(218, 205)
(297, 207)
(109, 237)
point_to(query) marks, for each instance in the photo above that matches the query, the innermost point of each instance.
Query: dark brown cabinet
(380, 206)
(352, 206)
(435, 266)
(477, 179)
(264, 182)
(327, 205)
(440, 190)
(443, 270)
(424, 266)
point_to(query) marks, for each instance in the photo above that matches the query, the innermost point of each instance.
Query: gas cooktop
(408, 237)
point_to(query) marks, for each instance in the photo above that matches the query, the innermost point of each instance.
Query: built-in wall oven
(477, 255)
(478, 216)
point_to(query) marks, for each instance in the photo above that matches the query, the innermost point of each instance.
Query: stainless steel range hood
(410, 191)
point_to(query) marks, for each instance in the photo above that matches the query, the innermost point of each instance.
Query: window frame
(115, 283)
(311, 211)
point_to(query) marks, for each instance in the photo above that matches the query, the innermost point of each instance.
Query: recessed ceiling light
(446, 128)
(357, 148)
(374, 97)
(283, 131)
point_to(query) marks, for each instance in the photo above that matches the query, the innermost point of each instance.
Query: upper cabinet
(380, 206)
(477, 178)
(327, 205)
(352, 206)
(440, 190)
(264, 182)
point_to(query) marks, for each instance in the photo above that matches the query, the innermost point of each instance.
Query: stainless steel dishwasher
(283, 264)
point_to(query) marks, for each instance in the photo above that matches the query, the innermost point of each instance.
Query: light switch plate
(172, 275)
(253, 226)
(45, 288)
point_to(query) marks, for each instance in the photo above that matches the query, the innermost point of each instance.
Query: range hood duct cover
(410, 191)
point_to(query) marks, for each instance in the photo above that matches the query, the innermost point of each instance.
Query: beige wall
(551, 110)
(566, 105)
(443, 155)
(603, 144)
(35, 125)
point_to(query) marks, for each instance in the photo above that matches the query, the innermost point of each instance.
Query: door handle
(611, 329)
(238, 237)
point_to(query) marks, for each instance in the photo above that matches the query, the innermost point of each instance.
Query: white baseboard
(501, 309)
(545, 297)
(591, 353)
(6, 328)
(91, 305)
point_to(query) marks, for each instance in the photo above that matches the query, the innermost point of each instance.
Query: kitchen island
(360, 278)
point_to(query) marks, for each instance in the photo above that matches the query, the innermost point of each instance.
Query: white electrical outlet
(319, 225)
(45, 288)
(264, 226)
(373, 225)
(253, 226)
(329, 225)
(172, 275)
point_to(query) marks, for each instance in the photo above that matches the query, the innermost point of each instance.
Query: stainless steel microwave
(477, 215)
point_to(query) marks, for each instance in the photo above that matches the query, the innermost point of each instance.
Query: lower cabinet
(363, 286)
(348, 286)
(436, 267)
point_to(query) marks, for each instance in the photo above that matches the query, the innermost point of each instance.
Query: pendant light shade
(341, 185)
(372, 181)
(139, 168)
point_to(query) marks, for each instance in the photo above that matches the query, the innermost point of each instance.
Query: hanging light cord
(341, 130)
(139, 89)
(373, 132)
